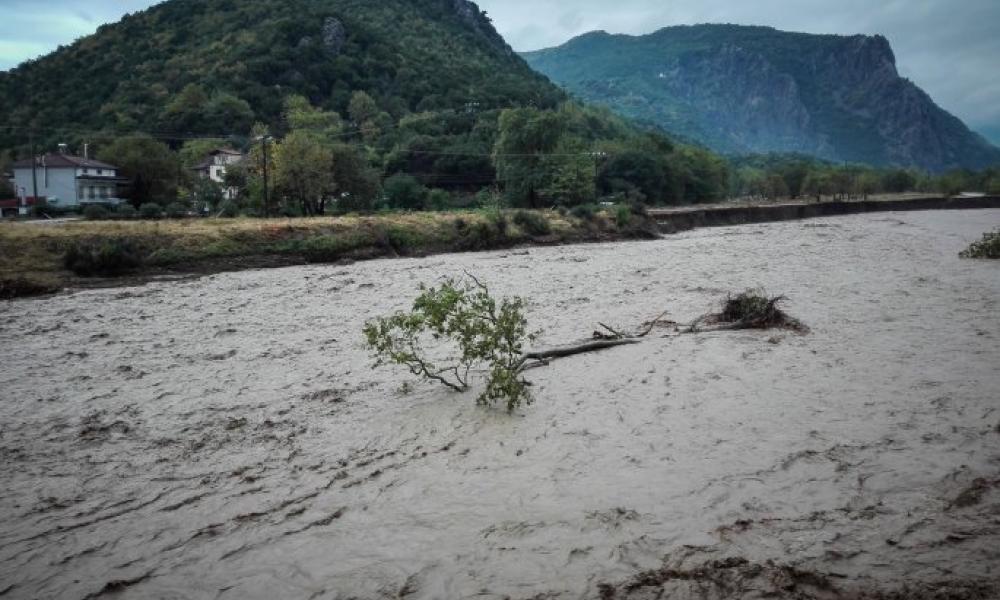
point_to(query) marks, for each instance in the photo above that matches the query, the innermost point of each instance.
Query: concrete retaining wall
(674, 221)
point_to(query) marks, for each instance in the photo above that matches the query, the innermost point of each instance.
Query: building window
(105, 193)
(91, 192)
(100, 171)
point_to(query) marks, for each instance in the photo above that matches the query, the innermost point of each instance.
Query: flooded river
(225, 437)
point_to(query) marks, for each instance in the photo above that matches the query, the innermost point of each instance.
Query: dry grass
(35, 251)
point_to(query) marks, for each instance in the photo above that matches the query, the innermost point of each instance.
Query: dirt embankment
(36, 259)
(225, 437)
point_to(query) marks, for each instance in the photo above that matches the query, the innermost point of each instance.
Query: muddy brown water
(226, 438)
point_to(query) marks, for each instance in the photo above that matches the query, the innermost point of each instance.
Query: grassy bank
(38, 258)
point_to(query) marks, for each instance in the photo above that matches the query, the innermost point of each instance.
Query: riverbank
(32, 257)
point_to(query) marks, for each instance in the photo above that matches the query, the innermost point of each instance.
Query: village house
(214, 167)
(63, 182)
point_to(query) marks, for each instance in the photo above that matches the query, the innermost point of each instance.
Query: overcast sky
(948, 47)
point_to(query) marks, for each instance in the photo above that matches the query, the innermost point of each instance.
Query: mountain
(236, 61)
(744, 89)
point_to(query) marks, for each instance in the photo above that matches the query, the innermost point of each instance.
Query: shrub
(95, 212)
(482, 235)
(125, 211)
(479, 332)
(229, 210)
(623, 216)
(988, 247)
(176, 210)
(638, 208)
(532, 223)
(41, 209)
(404, 239)
(584, 212)
(500, 223)
(102, 257)
(150, 210)
(438, 200)
(405, 192)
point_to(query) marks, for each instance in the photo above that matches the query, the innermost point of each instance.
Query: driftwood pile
(752, 309)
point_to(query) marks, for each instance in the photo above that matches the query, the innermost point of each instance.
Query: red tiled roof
(63, 161)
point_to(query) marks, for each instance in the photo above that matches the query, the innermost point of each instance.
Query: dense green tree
(362, 108)
(571, 175)
(899, 180)
(186, 111)
(302, 171)
(356, 183)
(6, 189)
(152, 170)
(404, 192)
(634, 170)
(226, 113)
(301, 115)
(526, 137)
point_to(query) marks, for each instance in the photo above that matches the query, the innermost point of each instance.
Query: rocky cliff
(755, 89)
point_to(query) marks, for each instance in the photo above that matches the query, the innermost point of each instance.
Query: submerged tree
(479, 332)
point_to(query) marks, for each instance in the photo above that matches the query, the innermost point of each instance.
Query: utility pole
(267, 196)
(34, 170)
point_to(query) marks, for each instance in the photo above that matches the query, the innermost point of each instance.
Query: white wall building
(65, 181)
(214, 168)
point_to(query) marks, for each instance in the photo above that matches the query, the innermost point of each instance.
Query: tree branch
(564, 351)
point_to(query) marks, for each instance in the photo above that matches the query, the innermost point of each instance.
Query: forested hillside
(399, 97)
(242, 58)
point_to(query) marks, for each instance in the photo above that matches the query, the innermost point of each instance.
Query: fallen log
(544, 356)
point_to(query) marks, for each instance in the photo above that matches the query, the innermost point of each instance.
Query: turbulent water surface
(225, 437)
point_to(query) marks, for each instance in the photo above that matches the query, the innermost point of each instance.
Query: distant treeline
(765, 177)
(316, 161)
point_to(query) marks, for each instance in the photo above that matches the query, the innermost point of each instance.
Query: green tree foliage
(365, 116)
(527, 137)
(300, 114)
(357, 183)
(478, 331)
(216, 67)
(987, 247)
(6, 188)
(205, 194)
(899, 180)
(152, 170)
(570, 176)
(302, 171)
(634, 173)
(404, 192)
(186, 110)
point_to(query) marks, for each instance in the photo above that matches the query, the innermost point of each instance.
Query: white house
(214, 168)
(65, 181)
